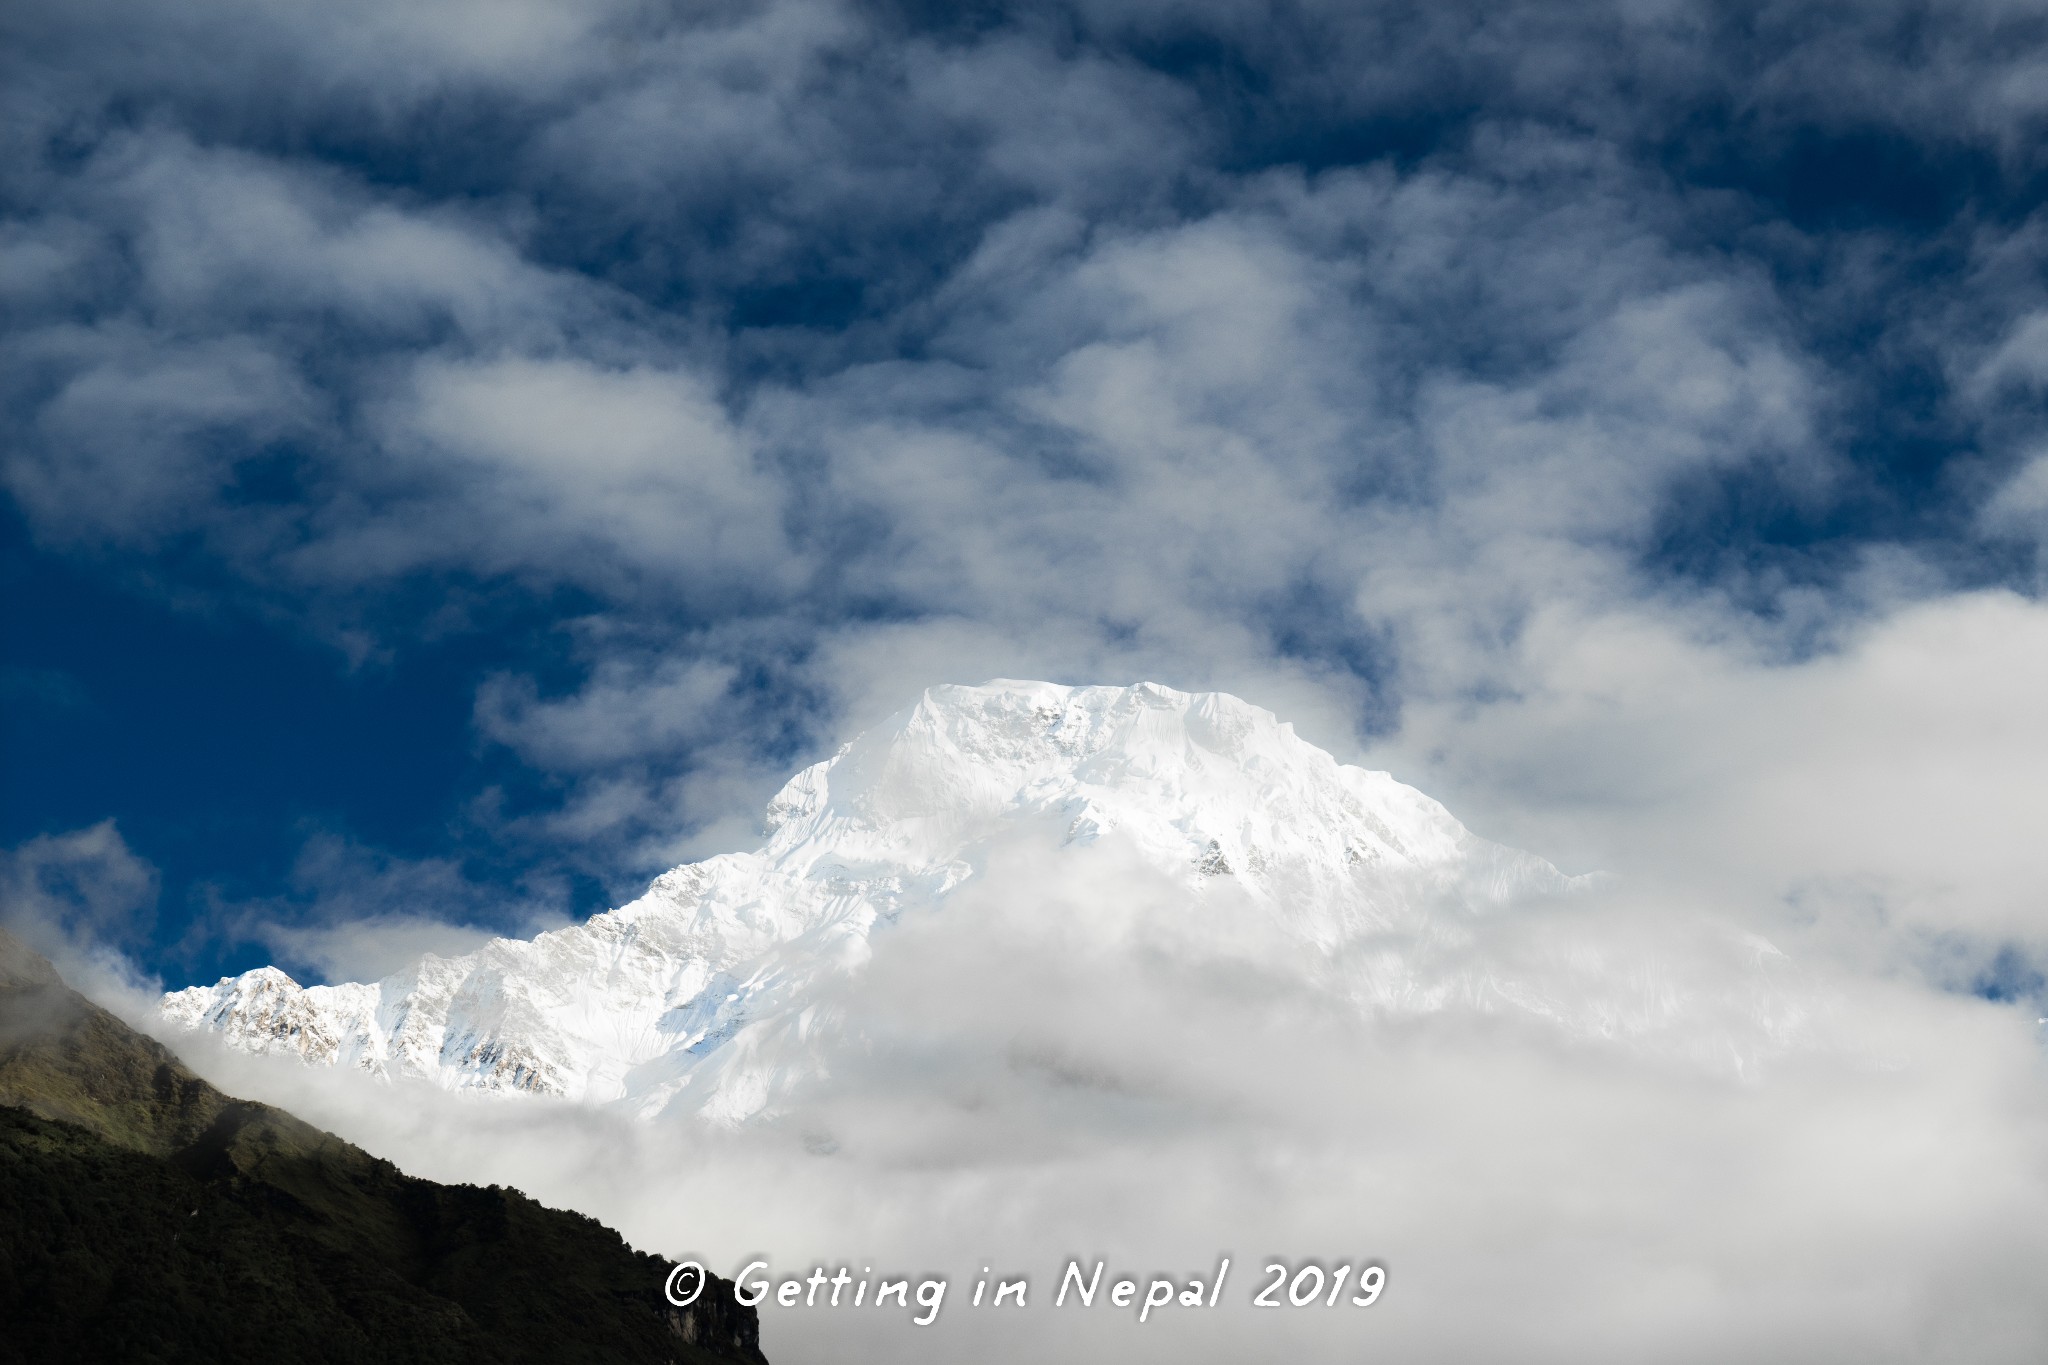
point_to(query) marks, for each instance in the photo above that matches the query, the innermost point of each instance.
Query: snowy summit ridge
(699, 993)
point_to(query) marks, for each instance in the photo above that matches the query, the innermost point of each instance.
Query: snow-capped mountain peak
(701, 992)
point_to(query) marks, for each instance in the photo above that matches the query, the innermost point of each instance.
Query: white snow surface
(706, 992)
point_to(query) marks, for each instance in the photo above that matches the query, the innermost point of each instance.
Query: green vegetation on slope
(145, 1216)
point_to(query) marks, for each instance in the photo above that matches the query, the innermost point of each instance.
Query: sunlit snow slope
(706, 991)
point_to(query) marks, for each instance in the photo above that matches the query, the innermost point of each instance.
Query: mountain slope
(707, 990)
(146, 1216)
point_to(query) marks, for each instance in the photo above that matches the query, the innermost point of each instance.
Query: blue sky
(458, 460)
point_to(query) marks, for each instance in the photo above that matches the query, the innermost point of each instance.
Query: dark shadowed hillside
(145, 1216)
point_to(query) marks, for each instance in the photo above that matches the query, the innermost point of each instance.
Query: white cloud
(81, 898)
(1884, 786)
(623, 713)
(2019, 507)
(1073, 1062)
(353, 913)
(1120, 384)
(140, 438)
(573, 471)
(87, 883)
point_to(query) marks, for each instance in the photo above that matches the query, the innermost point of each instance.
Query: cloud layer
(1619, 419)
(1074, 1062)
